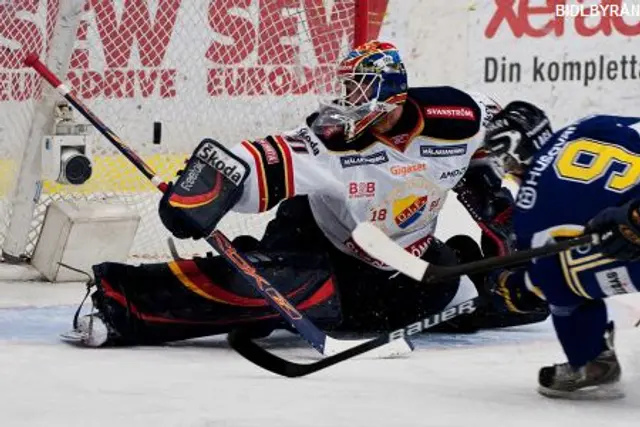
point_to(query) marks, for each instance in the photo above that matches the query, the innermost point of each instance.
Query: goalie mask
(515, 135)
(373, 82)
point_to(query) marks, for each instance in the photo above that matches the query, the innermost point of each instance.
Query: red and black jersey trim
(274, 170)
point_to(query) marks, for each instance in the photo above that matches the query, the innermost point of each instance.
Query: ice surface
(460, 380)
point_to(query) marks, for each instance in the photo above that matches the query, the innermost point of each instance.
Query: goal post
(163, 74)
(26, 157)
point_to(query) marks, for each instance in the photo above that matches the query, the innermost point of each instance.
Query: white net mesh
(226, 69)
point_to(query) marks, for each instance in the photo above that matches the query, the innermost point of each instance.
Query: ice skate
(598, 379)
(90, 331)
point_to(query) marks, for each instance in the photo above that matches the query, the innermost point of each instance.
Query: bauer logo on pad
(218, 157)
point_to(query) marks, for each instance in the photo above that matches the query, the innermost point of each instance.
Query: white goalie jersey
(397, 181)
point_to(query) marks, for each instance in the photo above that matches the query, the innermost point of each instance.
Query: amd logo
(456, 173)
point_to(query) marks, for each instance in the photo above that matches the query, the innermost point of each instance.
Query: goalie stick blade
(251, 351)
(247, 348)
(377, 244)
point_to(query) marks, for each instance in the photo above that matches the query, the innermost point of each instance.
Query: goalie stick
(251, 351)
(323, 343)
(377, 244)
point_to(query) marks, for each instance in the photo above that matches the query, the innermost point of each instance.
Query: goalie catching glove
(208, 187)
(490, 205)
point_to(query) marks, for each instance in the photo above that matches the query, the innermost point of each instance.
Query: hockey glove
(492, 213)
(619, 230)
(210, 185)
(173, 219)
(508, 293)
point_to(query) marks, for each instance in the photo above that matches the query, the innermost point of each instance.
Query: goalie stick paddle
(377, 244)
(310, 332)
(251, 351)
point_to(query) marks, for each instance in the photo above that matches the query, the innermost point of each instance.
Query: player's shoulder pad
(449, 113)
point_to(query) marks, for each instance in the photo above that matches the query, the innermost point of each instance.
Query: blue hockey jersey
(584, 168)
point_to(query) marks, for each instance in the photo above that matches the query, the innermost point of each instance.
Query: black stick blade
(247, 348)
(251, 351)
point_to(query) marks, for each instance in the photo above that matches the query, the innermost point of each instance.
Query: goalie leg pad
(208, 187)
(157, 303)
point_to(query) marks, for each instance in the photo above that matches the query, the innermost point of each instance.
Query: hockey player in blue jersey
(581, 179)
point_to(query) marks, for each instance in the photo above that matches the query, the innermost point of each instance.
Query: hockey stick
(243, 344)
(377, 244)
(314, 336)
(380, 246)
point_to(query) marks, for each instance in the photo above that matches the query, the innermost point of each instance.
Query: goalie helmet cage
(230, 70)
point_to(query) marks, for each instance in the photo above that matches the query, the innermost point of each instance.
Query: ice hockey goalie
(381, 152)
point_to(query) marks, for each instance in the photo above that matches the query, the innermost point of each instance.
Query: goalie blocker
(207, 188)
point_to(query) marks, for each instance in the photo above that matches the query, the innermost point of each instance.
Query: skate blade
(603, 392)
(75, 338)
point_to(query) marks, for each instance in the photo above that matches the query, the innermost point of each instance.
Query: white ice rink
(485, 379)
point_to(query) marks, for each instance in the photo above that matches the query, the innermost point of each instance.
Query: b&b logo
(364, 189)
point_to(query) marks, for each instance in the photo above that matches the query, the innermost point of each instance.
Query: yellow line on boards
(110, 174)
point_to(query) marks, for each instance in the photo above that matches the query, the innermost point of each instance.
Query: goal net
(163, 74)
